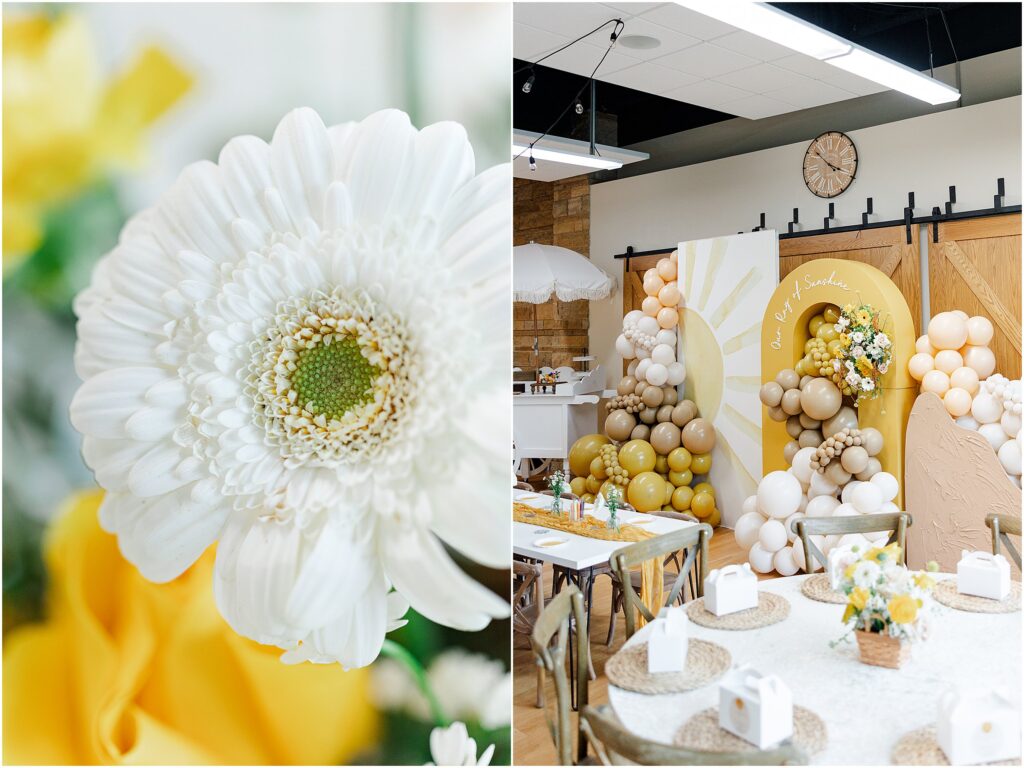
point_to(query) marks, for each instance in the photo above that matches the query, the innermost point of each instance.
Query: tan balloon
(787, 378)
(640, 387)
(669, 296)
(808, 423)
(821, 399)
(771, 393)
(619, 425)
(683, 412)
(668, 317)
(699, 436)
(873, 468)
(648, 416)
(665, 437)
(790, 450)
(671, 396)
(664, 413)
(791, 402)
(872, 441)
(653, 397)
(981, 359)
(640, 432)
(805, 379)
(651, 306)
(845, 418)
(965, 378)
(854, 459)
(947, 361)
(809, 438)
(626, 385)
(777, 414)
(667, 270)
(835, 472)
(794, 427)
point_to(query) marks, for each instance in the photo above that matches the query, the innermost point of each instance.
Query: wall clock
(830, 164)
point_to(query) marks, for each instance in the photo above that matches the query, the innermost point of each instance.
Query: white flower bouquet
(865, 352)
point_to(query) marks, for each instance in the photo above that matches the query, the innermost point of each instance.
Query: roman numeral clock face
(830, 164)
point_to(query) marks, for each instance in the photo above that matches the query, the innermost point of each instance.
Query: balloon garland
(954, 361)
(833, 466)
(655, 449)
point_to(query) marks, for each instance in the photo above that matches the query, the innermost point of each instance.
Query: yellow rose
(923, 581)
(64, 122)
(903, 609)
(127, 671)
(858, 598)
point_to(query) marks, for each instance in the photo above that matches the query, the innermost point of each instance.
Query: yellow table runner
(652, 572)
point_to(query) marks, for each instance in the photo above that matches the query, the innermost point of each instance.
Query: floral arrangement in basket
(865, 352)
(885, 601)
(557, 484)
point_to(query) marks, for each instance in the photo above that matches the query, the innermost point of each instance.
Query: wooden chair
(550, 643)
(615, 745)
(1004, 526)
(527, 604)
(522, 486)
(897, 522)
(672, 559)
(694, 540)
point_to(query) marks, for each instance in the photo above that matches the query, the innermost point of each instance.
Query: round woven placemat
(702, 732)
(705, 663)
(945, 593)
(818, 587)
(920, 748)
(771, 609)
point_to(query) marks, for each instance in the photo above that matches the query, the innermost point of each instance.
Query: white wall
(969, 147)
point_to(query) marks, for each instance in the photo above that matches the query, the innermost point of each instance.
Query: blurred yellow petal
(129, 672)
(22, 232)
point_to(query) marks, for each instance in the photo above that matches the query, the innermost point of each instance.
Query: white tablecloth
(865, 708)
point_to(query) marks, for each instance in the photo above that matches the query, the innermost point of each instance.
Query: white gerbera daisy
(302, 351)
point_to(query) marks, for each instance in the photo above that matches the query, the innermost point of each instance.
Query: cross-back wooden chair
(523, 486)
(672, 559)
(615, 745)
(693, 539)
(551, 647)
(1004, 526)
(560, 575)
(897, 522)
(527, 604)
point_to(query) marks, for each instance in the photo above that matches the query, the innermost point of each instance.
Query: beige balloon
(791, 402)
(683, 412)
(664, 413)
(640, 387)
(665, 437)
(671, 396)
(835, 472)
(771, 393)
(809, 438)
(787, 378)
(668, 317)
(653, 397)
(845, 418)
(699, 436)
(651, 306)
(873, 468)
(793, 427)
(981, 359)
(648, 415)
(777, 414)
(619, 425)
(626, 385)
(640, 432)
(808, 423)
(669, 295)
(790, 450)
(872, 441)
(854, 459)
(965, 378)
(821, 399)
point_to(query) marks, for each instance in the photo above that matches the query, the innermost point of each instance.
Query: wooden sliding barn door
(976, 267)
(885, 249)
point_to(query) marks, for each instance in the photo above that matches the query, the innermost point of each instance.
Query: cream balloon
(994, 434)
(653, 282)
(935, 382)
(657, 374)
(778, 494)
(821, 485)
(979, 331)
(641, 369)
(669, 295)
(668, 317)
(651, 306)
(633, 318)
(676, 374)
(960, 313)
(802, 465)
(663, 354)
(867, 498)
(986, 409)
(625, 348)
(760, 559)
(968, 422)
(642, 353)
(948, 360)
(957, 402)
(1010, 457)
(887, 484)
(667, 270)
(947, 331)
(821, 506)
(981, 359)
(772, 536)
(647, 325)
(923, 346)
(666, 336)
(965, 378)
(747, 528)
(920, 364)
(785, 562)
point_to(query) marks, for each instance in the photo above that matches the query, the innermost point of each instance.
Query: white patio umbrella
(541, 270)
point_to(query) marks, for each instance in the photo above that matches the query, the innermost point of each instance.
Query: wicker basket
(882, 650)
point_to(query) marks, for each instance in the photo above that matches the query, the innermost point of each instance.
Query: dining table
(866, 709)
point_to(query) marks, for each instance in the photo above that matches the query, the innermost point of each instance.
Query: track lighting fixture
(528, 85)
(533, 163)
(579, 107)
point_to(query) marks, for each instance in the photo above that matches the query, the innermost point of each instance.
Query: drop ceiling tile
(755, 106)
(753, 46)
(650, 78)
(707, 93)
(689, 22)
(671, 40)
(633, 9)
(530, 43)
(819, 70)
(706, 60)
(764, 77)
(582, 58)
(813, 94)
(568, 19)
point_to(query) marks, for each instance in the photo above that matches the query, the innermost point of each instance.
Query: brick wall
(556, 213)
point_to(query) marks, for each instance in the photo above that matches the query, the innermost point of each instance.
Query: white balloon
(647, 324)
(747, 528)
(657, 374)
(784, 562)
(848, 489)
(853, 540)
(798, 555)
(664, 354)
(624, 348)
(772, 536)
(632, 318)
(889, 508)
(641, 369)
(778, 494)
(967, 422)
(750, 504)
(1009, 457)
(822, 506)
(887, 484)
(828, 542)
(876, 536)
(1010, 422)
(803, 502)
(845, 510)
(821, 486)
(676, 374)
(986, 408)
(666, 336)
(994, 434)
(760, 559)
(790, 533)
(802, 464)
(867, 498)
(643, 353)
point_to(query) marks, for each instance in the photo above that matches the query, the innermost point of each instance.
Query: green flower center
(332, 379)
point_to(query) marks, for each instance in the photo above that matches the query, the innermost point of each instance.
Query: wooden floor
(531, 740)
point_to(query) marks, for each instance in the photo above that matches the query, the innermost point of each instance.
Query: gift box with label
(983, 574)
(669, 641)
(980, 726)
(838, 559)
(730, 589)
(757, 708)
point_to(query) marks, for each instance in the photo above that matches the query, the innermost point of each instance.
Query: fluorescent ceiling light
(559, 156)
(783, 29)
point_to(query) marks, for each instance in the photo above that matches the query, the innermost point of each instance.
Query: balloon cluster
(953, 357)
(996, 415)
(810, 406)
(648, 334)
(854, 450)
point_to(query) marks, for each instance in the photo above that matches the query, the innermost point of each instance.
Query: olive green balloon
(845, 418)
(640, 432)
(653, 397)
(665, 437)
(619, 425)
(648, 415)
(771, 393)
(787, 378)
(809, 438)
(626, 385)
(872, 441)
(699, 436)
(791, 402)
(671, 396)
(793, 427)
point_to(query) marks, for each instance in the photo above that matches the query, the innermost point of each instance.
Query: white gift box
(983, 574)
(980, 726)
(730, 589)
(669, 641)
(838, 559)
(757, 708)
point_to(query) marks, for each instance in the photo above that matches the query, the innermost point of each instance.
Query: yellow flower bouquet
(865, 352)
(886, 603)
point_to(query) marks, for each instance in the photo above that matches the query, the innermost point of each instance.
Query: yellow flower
(903, 609)
(63, 124)
(858, 598)
(848, 309)
(923, 581)
(845, 340)
(849, 613)
(127, 671)
(863, 317)
(890, 552)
